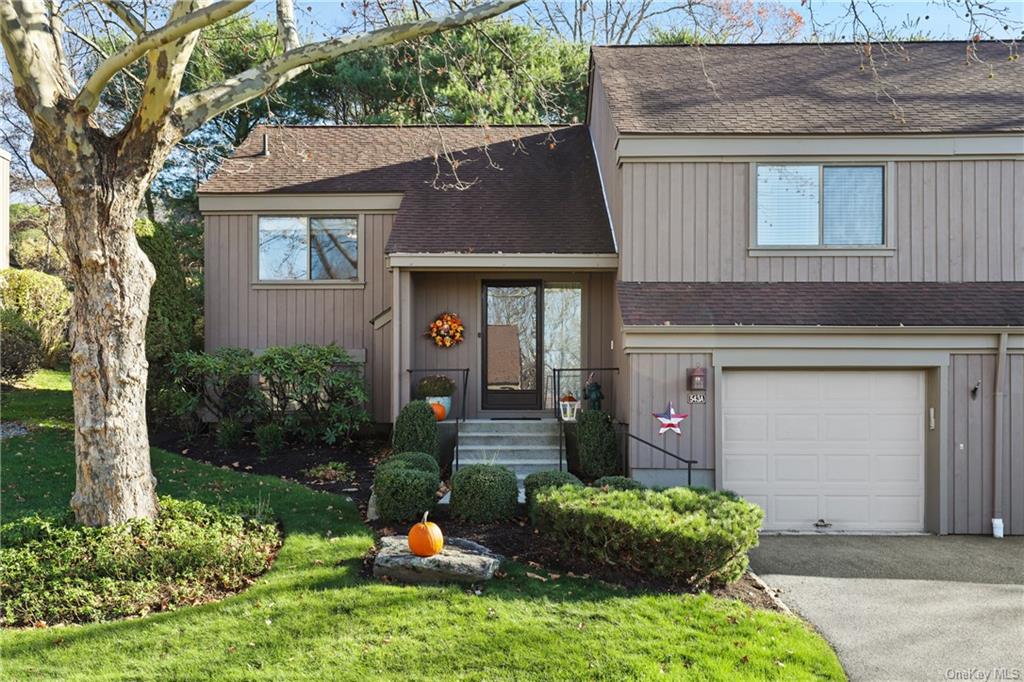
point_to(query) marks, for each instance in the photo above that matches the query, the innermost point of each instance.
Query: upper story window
(820, 205)
(297, 248)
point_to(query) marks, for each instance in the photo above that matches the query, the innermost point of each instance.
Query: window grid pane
(788, 205)
(283, 248)
(853, 205)
(334, 248)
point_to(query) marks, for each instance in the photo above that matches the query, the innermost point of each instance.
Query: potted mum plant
(569, 406)
(437, 390)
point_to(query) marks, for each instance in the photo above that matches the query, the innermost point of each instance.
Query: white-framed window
(307, 248)
(820, 205)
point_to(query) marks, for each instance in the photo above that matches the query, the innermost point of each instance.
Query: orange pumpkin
(439, 412)
(425, 538)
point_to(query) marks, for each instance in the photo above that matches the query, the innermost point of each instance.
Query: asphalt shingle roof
(829, 304)
(532, 189)
(793, 89)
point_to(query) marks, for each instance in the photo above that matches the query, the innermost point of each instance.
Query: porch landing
(522, 445)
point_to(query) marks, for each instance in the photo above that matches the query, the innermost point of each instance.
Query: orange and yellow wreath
(446, 330)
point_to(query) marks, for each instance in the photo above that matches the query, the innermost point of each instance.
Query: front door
(512, 345)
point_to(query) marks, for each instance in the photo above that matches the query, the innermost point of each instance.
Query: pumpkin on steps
(439, 411)
(425, 538)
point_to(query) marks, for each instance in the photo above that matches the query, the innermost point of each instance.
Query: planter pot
(569, 408)
(444, 401)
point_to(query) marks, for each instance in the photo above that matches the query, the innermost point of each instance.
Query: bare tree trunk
(111, 278)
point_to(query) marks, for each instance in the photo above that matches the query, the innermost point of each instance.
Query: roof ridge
(831, 43)
(418, 126)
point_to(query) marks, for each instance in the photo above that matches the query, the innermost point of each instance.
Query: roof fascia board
(299, 203)
(721, 147)
(504, 261)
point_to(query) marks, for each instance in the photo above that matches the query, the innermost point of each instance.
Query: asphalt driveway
(907, 607)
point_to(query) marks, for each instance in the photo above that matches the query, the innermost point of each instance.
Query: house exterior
(838, 248)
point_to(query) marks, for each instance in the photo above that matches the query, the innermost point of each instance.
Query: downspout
(997, 450)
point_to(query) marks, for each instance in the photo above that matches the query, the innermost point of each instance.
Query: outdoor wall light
(696, 378)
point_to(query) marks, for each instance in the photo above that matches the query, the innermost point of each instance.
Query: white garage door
(842, 447)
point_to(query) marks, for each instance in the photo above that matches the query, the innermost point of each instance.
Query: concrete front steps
(524, 446)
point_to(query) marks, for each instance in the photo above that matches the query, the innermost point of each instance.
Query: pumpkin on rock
(425, 538)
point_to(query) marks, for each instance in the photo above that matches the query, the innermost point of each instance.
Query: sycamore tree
(101, 172)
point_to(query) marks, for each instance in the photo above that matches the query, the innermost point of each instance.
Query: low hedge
(405, 486)
(546, 479)
(618, 483)
(688, 537)
(483, 493)
(22, 347)
(56, 571)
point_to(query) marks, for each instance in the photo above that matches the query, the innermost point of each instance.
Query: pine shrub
(597, 446)
(618, 483)
(546, 479)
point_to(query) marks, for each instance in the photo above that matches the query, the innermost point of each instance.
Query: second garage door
(834, 450)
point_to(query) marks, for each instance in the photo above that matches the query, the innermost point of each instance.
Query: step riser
(545, 427)
(500, 455)
(496, 440)
(521, 470)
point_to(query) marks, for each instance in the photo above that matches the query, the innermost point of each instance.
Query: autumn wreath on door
(447, 330)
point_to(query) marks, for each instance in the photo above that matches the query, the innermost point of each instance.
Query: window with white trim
(306, 248)
(820, 205)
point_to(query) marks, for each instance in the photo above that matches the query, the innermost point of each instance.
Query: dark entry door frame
(514, 399)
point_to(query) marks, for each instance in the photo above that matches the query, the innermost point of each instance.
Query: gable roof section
(809, 89)
(533, 189)
(826, 304)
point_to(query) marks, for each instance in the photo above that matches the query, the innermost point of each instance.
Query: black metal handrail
(557, 373)
(464, 372)
(689, 462)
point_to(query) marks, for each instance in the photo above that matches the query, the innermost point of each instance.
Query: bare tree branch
(198, 108)
(36, 66)
(89, 97)
(125, 14)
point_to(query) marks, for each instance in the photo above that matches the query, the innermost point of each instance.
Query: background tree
(101, 165)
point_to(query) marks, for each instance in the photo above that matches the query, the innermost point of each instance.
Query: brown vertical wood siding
(239, 314)
(971, 423)
(605, 137)
(954, 221)
(461, 292)
(655, 379)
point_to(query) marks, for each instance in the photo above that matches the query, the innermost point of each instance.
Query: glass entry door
(512, 345)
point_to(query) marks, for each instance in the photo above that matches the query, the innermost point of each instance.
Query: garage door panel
(795, 468)
(843, 446)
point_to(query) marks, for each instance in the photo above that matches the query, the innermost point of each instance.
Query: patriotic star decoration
(670, 419)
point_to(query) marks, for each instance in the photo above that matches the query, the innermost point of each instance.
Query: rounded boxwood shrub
(405, 486)
(597, 447)
(482, 493)
(688, 537)
(546, 479)
(43, 301)
(416, 430)
(21, 347)
(55, 571)
(618, 483)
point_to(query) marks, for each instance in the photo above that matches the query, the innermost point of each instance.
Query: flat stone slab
(462, 561)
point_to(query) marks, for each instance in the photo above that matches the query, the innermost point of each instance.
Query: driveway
(906, 607)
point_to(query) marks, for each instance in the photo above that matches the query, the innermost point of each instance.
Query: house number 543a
(696, 398)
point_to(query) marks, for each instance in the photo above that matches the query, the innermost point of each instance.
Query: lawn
(313, 616)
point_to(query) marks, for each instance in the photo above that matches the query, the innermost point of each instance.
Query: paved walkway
(907, 608)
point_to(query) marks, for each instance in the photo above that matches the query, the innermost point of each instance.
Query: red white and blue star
(670, 419)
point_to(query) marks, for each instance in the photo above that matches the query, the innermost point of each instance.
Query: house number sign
(696, 398)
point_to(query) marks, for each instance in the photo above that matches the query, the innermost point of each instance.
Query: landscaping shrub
(219, 383)
(20, 347)
(330, 471)
(269, 439)
(545, 479)
(597, 447)
(230, 432)
(416, 430)
(618, 483)
(435, 386)
(405, 486)
(686, 536)
(316, 392)
(43, 301)
(482, 493)
(172, 312)
(57, 572)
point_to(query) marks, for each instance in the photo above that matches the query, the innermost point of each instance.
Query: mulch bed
(517, 539)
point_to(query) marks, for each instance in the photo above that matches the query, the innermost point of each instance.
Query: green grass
(312, 617)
